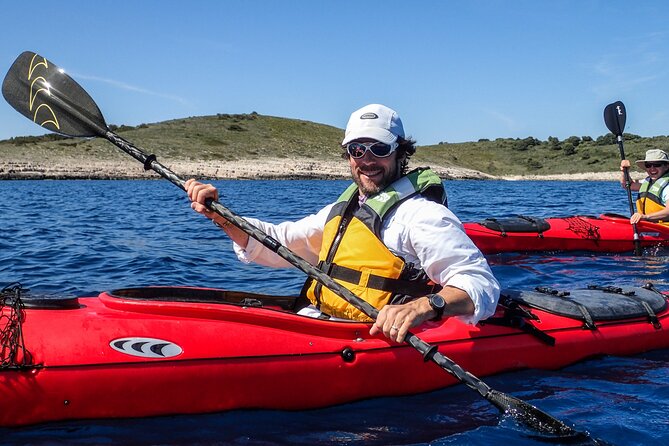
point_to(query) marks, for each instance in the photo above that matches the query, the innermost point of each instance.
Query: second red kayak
(606, 233)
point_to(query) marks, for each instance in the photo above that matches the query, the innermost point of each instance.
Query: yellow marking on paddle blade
(53, 121)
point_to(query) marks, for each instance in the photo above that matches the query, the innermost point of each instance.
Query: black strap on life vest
(397, 286)
(652, 317)
(588, 321)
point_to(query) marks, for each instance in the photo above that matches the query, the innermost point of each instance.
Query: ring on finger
(394, 328)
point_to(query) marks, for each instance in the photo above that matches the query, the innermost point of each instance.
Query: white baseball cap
(374, 121)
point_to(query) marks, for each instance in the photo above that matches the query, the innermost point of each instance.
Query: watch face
(437, 301)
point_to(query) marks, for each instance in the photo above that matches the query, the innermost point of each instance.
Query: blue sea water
(82, 237)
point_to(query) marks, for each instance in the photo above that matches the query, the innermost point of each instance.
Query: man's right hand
(199, 193)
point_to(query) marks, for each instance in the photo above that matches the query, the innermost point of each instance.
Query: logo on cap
(369, 116)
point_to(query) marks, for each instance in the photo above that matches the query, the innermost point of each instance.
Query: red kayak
(164, 350)
(606, 233)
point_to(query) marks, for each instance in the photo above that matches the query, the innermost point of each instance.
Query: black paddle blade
(532, 417)
(615, 117)
(43, 93)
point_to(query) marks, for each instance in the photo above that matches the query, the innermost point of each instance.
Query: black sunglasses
(649, 165)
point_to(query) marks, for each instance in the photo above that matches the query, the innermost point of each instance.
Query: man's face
(656, 169)
(371, 173)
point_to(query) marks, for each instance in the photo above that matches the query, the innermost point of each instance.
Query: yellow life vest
(650, 196)
(353, 254)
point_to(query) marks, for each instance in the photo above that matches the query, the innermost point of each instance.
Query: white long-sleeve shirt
(421, 231)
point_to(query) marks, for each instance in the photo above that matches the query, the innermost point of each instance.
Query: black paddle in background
(615, 116)
(41, 91)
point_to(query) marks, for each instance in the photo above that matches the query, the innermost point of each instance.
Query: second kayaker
(653, 196)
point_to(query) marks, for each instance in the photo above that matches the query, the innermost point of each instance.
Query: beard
(368, 186)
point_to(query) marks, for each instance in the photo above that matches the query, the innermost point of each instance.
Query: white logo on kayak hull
(146, 347)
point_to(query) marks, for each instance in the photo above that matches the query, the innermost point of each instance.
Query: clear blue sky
(454, 70)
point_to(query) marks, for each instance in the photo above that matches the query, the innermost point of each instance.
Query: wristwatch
(438, 304)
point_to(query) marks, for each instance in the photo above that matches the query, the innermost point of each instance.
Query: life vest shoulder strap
(654, 188)
(419, 181)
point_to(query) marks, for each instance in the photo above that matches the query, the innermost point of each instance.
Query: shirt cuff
(475, 294)
(250, 253)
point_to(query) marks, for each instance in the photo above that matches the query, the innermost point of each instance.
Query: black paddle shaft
(615, 117)
(42, 92)
(626, 173)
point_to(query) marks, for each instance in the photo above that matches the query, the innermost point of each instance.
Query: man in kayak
(653, 191)
(389, 238)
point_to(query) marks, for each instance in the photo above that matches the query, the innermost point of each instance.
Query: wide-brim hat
(374, 121)
(654, 156)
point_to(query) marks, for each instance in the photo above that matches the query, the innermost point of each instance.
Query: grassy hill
(226, 137)
(533, 157)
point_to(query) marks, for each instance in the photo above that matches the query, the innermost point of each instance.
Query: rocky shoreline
(266, 168)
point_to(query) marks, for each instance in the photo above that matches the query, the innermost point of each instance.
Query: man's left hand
(395, 321)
